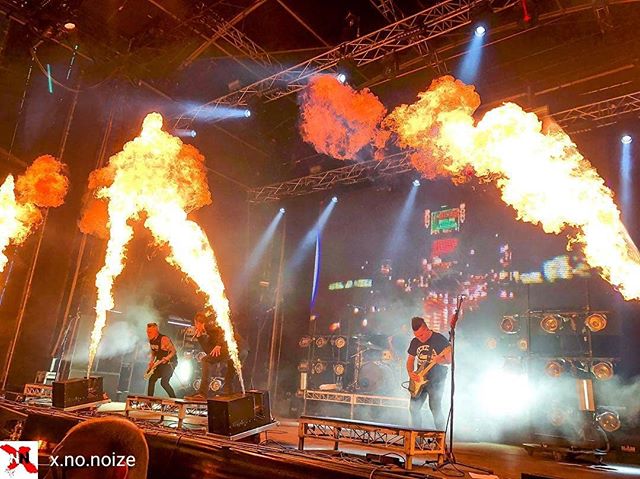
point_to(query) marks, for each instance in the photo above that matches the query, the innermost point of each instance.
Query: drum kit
(376, 370)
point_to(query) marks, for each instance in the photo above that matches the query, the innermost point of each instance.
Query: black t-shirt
(425, 352)
(214, 336)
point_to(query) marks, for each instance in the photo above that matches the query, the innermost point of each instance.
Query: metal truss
(356, 399)
(411, 442)
(597, 112)
(38, 391)
(439, 19)
(326, 180)
(572, 120)
(216, 27)
(212, 27)
(179, 408)
(388, 9)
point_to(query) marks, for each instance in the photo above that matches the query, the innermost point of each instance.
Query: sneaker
(196, 397)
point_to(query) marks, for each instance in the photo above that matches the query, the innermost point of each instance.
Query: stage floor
(506, 462)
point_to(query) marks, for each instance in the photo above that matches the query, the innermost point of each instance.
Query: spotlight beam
(310, 238)
(468, 70)
(400, 228)
(260, 248)
(626, 181)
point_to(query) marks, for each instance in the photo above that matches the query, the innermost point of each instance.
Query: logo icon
(18, 459)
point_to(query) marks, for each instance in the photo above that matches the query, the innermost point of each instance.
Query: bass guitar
(416, 387)
(152, 369)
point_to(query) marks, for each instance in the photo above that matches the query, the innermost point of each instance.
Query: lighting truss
(399, 163)
(439, 19)
(217, 27)
(326, 180)
(575, 119)
(388, 9)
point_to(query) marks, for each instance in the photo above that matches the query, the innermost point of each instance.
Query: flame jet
(43, 185)
(159, 180)
(541, 174)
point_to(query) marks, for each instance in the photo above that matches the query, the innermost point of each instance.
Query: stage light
(340, 342)
(365, 322)
(416, 182)
(342, 78)
(319, 367)
(554, 368)
(338, 369)
(214, 113)
(216, 384)
(185, 133)
(504, 393)
(602, 370)
(333, 327)
(334, 199)
(321, 342)
(608, 420)
(480, 31)
(626, 139)
(523, 344)
(557, 416)
(356, 310)
(184, 371)
(550, 323)
(69, 26)
(282, 210)
(596, 322)
(305, 341)
(509, 325)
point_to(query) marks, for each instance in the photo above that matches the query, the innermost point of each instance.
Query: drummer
(399, 342)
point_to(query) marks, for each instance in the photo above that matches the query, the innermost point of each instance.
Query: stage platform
(277, 455)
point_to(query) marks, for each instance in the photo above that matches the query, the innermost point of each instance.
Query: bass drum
(376, 377)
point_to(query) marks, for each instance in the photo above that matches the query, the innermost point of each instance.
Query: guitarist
(163, 356)
(425, 346)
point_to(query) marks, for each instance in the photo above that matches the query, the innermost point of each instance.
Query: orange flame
(540, 174)
(339, 121)
(160, 179)
(43, 185)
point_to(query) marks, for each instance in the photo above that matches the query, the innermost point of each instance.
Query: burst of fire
(43, 185)
(339, 121)
(541, 174)
(158, 179)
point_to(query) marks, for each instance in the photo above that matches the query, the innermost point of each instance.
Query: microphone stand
(450, 459)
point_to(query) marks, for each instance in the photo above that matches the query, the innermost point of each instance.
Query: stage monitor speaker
(233, 414)
(76, 391)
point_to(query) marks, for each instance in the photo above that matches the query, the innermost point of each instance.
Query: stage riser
(362, 413)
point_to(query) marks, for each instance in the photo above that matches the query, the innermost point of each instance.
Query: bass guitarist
(427, 346)
(163, 360)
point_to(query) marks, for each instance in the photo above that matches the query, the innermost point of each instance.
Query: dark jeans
(434, 391)
(164, 373)
(230, 375)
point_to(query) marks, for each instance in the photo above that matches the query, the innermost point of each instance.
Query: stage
(195, 453)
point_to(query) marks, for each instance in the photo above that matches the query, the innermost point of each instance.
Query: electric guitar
(416, 387)
(152, 369)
